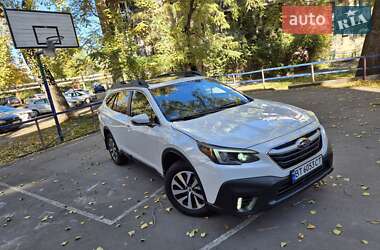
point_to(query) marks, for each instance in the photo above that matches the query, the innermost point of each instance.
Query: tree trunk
(108, 24)
(371, 44)
(187, 31)
(59, 101)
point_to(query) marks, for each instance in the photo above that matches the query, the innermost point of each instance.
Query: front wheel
(184, 190)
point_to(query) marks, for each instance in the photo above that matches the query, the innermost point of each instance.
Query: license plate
(306, 168)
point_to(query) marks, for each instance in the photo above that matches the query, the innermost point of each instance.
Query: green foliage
(152, 37)
(10, 74)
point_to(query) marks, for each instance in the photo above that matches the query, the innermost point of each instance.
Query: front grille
(288, 154)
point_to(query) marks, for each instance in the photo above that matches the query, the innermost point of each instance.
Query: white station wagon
(215, 147)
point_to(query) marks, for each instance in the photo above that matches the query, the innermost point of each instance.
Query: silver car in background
(81, 96)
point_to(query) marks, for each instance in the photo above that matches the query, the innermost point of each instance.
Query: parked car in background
(39, 106)
(82, 96)
(42, 105)
(10, 101)
(23, 113)
(13, 122)
(39, 96)
(98, 88)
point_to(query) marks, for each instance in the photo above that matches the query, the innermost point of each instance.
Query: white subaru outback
(214, 146)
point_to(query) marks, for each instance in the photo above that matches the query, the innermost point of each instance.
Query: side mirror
(142, 119)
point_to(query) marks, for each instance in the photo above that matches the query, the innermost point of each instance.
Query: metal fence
(40, 132)
(61, 82)
(308, 71)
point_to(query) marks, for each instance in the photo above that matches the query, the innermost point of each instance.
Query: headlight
(228, 156)
(312, 114)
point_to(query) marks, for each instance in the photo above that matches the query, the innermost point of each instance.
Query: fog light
(245, 204)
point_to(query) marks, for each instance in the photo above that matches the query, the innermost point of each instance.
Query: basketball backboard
(33, 29)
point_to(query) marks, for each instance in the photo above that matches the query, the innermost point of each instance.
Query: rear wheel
(185, 190)
(117, 156)
(35, 113)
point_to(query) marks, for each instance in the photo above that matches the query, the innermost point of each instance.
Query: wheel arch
(171, 155)
(106, 131)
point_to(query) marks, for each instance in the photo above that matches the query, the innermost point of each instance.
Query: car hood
(246, 125)
(7, 116)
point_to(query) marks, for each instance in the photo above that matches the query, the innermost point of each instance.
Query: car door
(146, 141)
(117, 118)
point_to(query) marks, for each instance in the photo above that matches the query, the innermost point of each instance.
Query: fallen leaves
(131, 233)
(300, 236)
(46, 218)
(313, 212)
(283, 244)
(311, 226)
(365, 242)
(363, 187)
(338, 230)
(144, 226)
(168, 209)
(192, 233)
(374, 222)
(64, 243)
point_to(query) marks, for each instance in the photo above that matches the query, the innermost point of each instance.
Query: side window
(140, 105)
(121, 102)
(110, 100)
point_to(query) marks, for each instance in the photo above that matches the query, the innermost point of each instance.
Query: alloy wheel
(114, 151)
(187, 190)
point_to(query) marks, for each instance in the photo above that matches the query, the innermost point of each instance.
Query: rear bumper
(265, 192)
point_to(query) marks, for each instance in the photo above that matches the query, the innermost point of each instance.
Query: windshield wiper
(193, 116)
(230, 105)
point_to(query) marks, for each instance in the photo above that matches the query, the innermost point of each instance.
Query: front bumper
(260, 193)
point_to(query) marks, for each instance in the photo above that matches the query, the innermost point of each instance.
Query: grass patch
(352, 84)
(29, 143)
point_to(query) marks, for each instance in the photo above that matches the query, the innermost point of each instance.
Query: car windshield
(192, 99)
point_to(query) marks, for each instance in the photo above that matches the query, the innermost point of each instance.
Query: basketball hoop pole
(43, 76)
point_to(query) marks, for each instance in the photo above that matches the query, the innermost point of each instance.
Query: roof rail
(180, 74)
(139, 83)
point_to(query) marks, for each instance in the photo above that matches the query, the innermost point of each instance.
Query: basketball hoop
(34, 29)
(51, 41)
(46, 31)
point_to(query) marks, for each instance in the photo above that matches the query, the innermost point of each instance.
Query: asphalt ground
(74, 197)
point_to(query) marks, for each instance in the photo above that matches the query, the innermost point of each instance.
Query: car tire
(36, 113)
(118, 157)
(182, 183)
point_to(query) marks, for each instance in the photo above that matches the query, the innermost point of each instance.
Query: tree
(10, 74)
(111, 24)
(371, 44)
